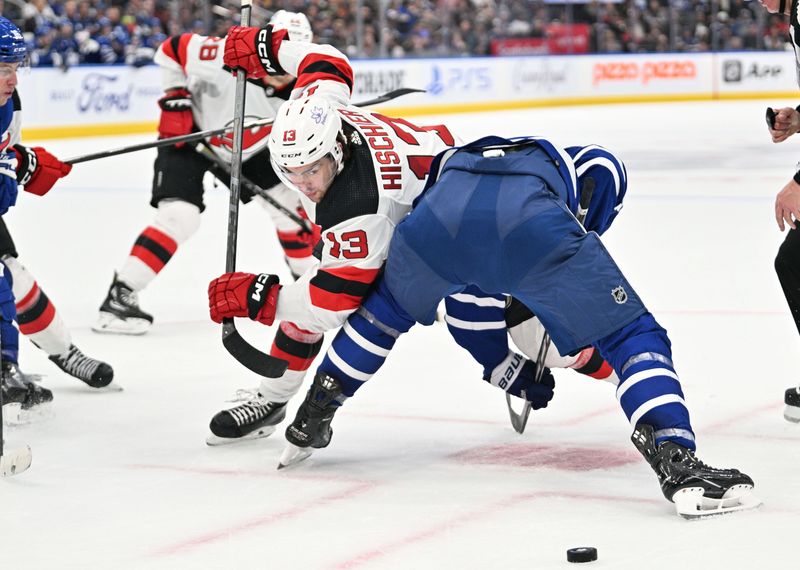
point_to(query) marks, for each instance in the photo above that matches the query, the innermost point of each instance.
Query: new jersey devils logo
(250, 137)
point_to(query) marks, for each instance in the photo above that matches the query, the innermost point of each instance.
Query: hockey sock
(591, 364)
(357, 352)
(9, 341)
(174, 223)
(360, 348)
(299, 348)
(37, 316)
(649, 390)
(477, 322)
(9, 336)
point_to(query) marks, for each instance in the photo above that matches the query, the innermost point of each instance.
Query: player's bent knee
(21, 279)
(178, 219)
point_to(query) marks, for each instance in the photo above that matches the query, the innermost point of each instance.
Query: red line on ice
(437, 529)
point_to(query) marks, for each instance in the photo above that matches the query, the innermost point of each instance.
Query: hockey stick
(194, 137)
(520, 420)
(15, 461)
(204, 150)
(240, 349)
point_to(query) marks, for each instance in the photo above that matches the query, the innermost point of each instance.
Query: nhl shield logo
(619, 294)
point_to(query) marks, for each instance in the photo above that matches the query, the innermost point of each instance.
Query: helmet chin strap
(782, 7)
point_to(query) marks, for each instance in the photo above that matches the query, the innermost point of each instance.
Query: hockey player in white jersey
(357, 173)
(199, 95)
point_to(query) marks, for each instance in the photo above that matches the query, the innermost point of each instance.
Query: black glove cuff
(258, 292)
(27, 164)
(179, 101)
(266, 55)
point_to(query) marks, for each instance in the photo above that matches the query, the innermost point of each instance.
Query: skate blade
(292, 455)
(12, 414)
(792, 414)
(691, 504)
(110, 324)
(15, 461)
(215, 440)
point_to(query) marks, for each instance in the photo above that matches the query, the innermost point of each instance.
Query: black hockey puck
(582, 554)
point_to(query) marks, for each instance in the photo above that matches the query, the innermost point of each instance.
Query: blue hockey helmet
(12, 44)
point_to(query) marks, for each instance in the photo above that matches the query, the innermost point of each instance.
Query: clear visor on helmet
(306, 173)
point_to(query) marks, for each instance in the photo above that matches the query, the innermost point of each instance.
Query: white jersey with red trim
(194, 62)
(385, 169)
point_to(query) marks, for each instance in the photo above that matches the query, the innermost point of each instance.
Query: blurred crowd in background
(71, 32)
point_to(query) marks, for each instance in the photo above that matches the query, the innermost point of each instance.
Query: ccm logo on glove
(244, 295)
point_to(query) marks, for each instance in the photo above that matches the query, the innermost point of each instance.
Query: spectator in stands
(128, 31)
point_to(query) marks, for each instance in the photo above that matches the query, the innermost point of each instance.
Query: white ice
(424, 470)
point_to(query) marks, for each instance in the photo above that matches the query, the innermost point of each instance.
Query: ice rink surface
(424, 470)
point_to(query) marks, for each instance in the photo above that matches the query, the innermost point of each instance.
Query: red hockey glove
(176, 115)
(250, 49)
(310, 238)
(38, 170)
(243, 295)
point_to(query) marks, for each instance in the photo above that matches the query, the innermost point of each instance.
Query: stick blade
(251, 358)
(15, 461)
(518, 420)
(389, 96)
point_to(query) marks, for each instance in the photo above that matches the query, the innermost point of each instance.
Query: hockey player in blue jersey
(497, 216)
(21, 298)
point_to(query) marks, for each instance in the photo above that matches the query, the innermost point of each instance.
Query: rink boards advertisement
(97, 100)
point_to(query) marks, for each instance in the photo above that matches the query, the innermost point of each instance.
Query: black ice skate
(120, 312)
(253, 419)
(696, 489)
(792, 400)
(93, 372)
(311, 428)
(21, 395)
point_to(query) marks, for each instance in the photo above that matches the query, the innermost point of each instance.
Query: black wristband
(796, 177)
(27, 164)
(258, 292)
(266, 56)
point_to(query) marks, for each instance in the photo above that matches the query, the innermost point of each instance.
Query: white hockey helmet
(295, 23)
(305, 130)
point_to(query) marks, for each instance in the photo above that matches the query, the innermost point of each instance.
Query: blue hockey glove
(8, 181)
(515, 374)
